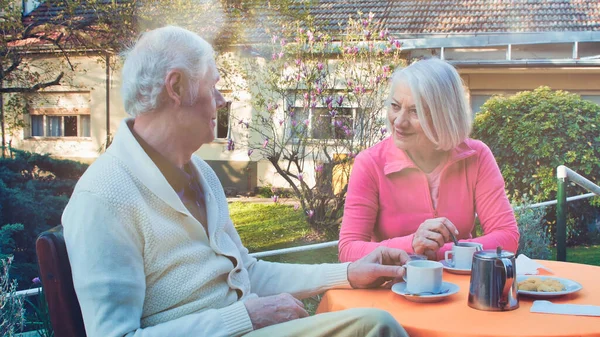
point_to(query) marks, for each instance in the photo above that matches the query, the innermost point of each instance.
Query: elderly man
(152, 247)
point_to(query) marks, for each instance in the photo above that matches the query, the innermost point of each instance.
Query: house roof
(406, 18)
(470, 16)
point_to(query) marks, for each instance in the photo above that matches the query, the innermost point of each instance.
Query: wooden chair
(55, 274)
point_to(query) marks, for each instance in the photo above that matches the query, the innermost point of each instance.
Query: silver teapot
(493, 281)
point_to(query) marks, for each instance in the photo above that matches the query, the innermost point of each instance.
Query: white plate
(450, 288)
(453, 270)
(570, 287)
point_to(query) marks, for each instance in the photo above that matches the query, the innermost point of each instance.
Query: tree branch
(35, 87)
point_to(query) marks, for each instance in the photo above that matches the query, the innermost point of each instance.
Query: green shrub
(533, 132)
(534, 240)
(34, 190)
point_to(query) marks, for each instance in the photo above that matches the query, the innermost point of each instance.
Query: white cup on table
(461, 256)
(423, 276)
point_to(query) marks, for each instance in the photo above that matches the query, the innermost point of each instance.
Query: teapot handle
(509, 277)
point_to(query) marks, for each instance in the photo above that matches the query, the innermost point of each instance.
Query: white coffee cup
(423, 276)
(461, 256)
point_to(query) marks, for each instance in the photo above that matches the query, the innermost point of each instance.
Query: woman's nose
(401, 120)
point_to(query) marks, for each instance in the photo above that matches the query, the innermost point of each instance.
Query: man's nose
(220, 100)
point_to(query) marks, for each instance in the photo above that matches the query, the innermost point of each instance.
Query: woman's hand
(432, 235)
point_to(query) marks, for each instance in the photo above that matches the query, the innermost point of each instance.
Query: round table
(453, 316)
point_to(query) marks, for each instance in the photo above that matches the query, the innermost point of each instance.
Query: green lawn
(274, 226)
(582, 254)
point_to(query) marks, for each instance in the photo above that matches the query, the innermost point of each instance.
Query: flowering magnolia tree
(319, 98)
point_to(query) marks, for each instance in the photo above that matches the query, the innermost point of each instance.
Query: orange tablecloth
(453, 317)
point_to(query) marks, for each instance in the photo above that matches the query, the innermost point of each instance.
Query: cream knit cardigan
(144, 266)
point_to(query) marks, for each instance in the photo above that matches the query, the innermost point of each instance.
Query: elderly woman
(152, 248)
(428, 178)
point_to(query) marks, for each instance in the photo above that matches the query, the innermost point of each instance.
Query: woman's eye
(395, 107)
(413, 112)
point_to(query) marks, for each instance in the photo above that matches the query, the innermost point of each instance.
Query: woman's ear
(174, 86)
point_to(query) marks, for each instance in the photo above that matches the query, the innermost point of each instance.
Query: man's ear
(175, 87)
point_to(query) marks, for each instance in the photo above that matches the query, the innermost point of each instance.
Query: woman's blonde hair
(440, 100)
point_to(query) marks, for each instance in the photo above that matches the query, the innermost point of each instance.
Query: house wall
(89, 78)
(241, 173)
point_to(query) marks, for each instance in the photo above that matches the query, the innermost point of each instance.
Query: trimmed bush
(533, 132)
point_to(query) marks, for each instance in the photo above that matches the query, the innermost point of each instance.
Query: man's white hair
(440, 99)
(152, 57)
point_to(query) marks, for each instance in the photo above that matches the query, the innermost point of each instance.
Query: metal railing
(564, 175)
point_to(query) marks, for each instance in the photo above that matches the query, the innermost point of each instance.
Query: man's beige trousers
(347, 323)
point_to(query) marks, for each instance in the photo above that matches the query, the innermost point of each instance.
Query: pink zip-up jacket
(388, 199)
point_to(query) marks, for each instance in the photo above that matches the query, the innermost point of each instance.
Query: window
(592, 98)
(477, 101)
(322, 124)
(222, 127)
(60, 115)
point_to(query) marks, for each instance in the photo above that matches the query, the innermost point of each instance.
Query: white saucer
(455, 270)
(449, 288)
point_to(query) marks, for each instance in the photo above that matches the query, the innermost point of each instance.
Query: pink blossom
(333, 113)
(306, 96)
(282, 42)
(306, 122)
(320, 66)
(387, 50)
(250, 152)
(296, 206)
(274, 38)
(265, 143)
(368, 35)
(397, 44)
(310, 35)
(383, 130)
(298, 62)
(300, 176)
(365, 23)
(280, 122)
(275, 198)
(294, 123)
(319, 168)
(281, 55)
(274, 57)
(311, 213)
(328, 100)
(340, 100)
(36, 280)
(230, 145)
(383, 33)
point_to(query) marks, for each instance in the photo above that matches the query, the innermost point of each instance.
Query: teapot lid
(498, 253)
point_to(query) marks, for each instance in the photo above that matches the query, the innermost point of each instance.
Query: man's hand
(381, 265)
(432, 235)
(266, 311)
